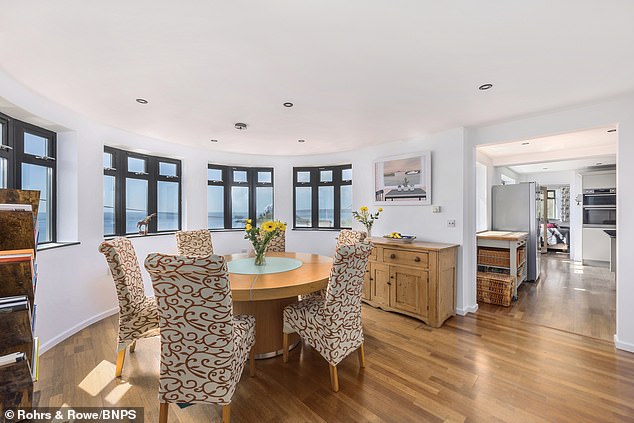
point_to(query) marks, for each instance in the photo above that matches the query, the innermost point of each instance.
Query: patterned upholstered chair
(278, 243)
(349, 237)
(138, 316)
(203, 345)
(332, 323)
(194, 243)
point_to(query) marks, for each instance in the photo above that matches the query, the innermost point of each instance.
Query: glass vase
(260, 256)
(368, 231)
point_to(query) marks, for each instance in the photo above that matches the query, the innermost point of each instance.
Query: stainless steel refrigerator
(514, 208)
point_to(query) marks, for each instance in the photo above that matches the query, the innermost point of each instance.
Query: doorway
(576, 291)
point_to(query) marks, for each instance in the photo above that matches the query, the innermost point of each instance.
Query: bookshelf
(19, 347)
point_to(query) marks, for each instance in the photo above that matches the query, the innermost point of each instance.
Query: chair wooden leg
(119, 366)
(163, 412)
(285, 347)
(226, 413)
(132, 347)
(361, 353)
(252, 362)
(334, 379)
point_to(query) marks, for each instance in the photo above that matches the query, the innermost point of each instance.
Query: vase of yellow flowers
(366, 218)
(260, 237)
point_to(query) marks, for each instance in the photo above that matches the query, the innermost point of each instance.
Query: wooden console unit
(416, 279)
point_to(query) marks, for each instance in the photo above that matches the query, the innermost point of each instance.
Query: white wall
(482, 197)
(75, 279)
(610, 112)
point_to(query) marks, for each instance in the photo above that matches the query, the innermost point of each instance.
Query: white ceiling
(586, 144)
(360, 73)
(563, 165)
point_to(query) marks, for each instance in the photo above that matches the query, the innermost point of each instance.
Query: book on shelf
(17, 230)
(12, 358)
(15, 300)
(16, 207)
(21, 196)
(33, 318)
(10, 256)
(16, 389)
(17, 278)
(35, 361)
(16, 334)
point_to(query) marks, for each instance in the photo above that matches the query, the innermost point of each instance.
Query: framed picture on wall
(403, 179)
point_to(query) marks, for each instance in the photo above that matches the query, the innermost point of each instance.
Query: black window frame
(151, 174)
(252, 184)
(13, 131)
(314, 184)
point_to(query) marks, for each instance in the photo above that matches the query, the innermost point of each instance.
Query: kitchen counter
(612, 234)
(501, 235)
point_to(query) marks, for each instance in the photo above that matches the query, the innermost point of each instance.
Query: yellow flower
(248, 227)
(268, 226)
(380, 209)
(248, 220)
(363, 209)
(281, 225)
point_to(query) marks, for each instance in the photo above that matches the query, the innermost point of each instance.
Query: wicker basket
(500, 257)
(494, 288)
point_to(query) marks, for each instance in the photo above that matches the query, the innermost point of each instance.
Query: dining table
(264, 290)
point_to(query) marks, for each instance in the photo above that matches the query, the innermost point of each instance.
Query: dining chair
(196, 243)
(204, 347)
(277, 244)
(349, 237)
(332, 323)
(138, 316)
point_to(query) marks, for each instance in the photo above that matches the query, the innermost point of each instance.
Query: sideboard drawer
(407, 258)
(373, 254)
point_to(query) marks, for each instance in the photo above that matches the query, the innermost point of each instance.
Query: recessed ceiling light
(485, 87)
(611, 130)
(213, 140)
(545, 168)
(301, 140)
(525, 143)
(598, 163)
(240, 126)
(288, 104)
(141, 101)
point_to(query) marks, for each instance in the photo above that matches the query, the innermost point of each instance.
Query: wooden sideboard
(416, 279)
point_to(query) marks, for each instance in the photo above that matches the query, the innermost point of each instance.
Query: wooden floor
(477, 368)
(568, 296)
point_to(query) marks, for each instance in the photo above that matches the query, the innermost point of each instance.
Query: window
(137, 185)
(323, 197)
(551, 204)
(235, 194)
(27, 161)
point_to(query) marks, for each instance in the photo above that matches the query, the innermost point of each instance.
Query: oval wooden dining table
(266, 295)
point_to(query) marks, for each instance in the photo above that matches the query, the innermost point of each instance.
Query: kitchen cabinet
(416, 279)
(596, 245)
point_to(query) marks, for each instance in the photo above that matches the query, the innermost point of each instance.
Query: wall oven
(602, 197)
(599, 208)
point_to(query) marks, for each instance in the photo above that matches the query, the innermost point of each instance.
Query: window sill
(227, 230)
(109, 237)
(53, 245)
(319, 229)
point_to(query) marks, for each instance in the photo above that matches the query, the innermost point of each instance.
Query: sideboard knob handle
(417, 259)
(392, 256)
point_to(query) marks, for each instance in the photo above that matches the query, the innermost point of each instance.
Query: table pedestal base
(268, 325)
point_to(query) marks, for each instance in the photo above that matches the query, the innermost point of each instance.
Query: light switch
(435, 209)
